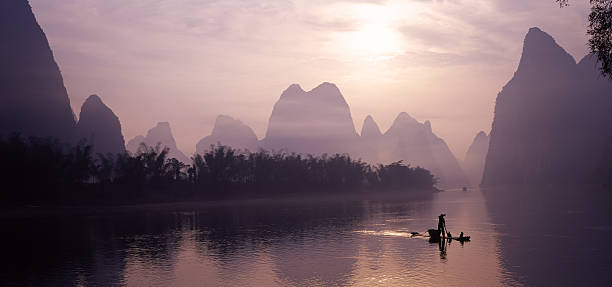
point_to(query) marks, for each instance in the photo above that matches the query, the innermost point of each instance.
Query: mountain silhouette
(370, 128)
(230, 132)
(474, 161)
(33, 99)
(370, 142)
(160, 134)
(318, 121)
(551, 122)
(417, 145)
(100, 127)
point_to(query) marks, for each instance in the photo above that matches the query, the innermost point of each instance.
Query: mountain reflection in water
(554, 236)
(307, 243)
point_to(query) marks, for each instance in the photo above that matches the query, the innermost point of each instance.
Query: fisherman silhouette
(442, 225)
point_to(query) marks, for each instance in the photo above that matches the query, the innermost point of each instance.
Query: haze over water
(319, 243)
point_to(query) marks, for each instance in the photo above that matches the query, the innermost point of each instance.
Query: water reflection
(312, 243)
(554, 236)
(414, 261)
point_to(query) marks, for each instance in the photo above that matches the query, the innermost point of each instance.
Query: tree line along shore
(43, 171)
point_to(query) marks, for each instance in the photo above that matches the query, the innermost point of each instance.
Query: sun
(375, 36)
(373, 33)
(376, 40)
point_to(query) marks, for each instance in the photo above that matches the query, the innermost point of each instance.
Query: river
(520, 237)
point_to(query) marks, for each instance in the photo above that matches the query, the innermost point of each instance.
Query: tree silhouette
(39, 170)
(175, 169)
(104, 168)
(43, 171)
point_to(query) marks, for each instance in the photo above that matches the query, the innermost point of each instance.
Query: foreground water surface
(534, 237)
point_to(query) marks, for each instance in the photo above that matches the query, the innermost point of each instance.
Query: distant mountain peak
(480, 134)
(293, 90)
(165, 125)
(370, 128)
(475, 156)
(224, 122)
(224, 119)
(404, 118)
(537, 31)
(326, 88)
(310, 122)
(93, 102)
(323, 91)
(160, 134)
(536, 35)
(415, 143)
(328, 93)
(93, 99)
(100, 127)
(405, 124)
(327, 84)
(229, 132)
(541, 51)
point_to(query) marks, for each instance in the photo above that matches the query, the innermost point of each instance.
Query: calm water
(555, 237)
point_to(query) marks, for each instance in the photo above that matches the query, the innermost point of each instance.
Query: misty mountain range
(551, 120)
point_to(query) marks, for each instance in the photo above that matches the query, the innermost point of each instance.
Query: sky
(187, 61)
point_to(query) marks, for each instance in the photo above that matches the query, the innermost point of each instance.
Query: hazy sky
(186, 61)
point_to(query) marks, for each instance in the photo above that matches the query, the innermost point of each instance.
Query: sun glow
(376, 41)
(375, 35)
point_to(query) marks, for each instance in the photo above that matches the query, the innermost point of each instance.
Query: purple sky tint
(186, 61)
